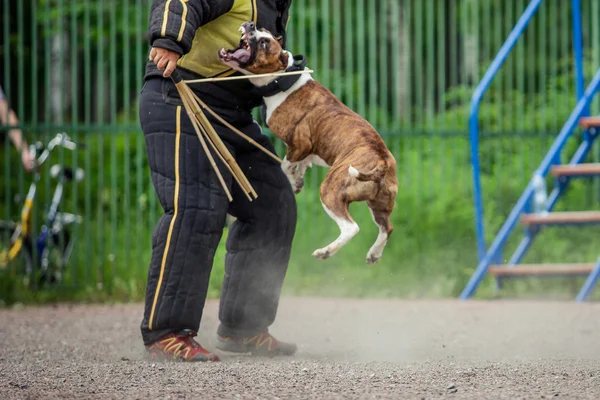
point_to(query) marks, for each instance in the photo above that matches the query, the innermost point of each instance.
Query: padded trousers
(195, 208)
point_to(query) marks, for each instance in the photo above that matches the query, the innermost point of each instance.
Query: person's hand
(165, 60)
(27, 159)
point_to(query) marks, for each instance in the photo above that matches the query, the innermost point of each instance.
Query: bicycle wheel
(23, 263)
(55, 256)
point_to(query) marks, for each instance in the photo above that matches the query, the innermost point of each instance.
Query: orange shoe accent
(180, 347)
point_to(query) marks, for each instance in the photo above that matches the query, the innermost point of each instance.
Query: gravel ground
(350, 349)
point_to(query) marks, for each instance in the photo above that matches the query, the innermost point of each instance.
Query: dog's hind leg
(381, 216)
(337, 209)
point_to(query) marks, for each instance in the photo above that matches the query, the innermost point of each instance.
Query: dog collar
(283, 83)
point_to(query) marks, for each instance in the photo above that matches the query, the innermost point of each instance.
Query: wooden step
(576, 170)
(541, 270)
(561, 218)
(589, 122)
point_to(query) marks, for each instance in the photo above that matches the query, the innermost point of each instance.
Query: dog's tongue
(242, 55)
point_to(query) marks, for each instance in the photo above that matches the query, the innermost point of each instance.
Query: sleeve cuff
(166, 43)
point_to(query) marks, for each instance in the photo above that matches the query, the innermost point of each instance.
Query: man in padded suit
(188, 34)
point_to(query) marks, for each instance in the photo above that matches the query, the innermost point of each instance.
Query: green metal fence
(408, 66)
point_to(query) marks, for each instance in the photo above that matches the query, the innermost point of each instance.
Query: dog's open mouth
(243, 53)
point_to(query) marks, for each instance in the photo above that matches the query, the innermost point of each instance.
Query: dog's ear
(284, 58)
(279, 39)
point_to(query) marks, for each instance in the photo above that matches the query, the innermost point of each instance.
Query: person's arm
(173, 25)
(8, 117)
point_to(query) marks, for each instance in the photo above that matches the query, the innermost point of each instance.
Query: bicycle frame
(55, 221)
(24, 226)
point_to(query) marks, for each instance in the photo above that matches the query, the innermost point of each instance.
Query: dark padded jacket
(198, 29)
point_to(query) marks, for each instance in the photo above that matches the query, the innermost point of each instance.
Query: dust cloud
(348, 349)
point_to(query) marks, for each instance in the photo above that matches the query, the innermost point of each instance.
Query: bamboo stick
(199, 128)
(181, 89)
(233, 128)
(233, 78)
(202, 136)
(234, 165)
(223, 149)
(225, 162)
(220, 147)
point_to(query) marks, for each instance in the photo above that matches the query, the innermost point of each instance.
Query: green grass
(431, 253)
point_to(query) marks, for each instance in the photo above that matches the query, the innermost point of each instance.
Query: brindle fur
(312, 121)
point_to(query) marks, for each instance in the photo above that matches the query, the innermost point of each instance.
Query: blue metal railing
(582, 109)
(589, 284)
(542, 170)
(578, 50)
(486, 81)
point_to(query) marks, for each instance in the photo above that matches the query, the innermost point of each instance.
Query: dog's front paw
(289, 169)
(322, 254)
(298, 185)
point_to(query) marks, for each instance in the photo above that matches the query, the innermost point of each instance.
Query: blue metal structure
(480, 90)
(590, 283)
(578, 49)
(487, 257)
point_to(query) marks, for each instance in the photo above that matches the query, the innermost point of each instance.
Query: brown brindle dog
(318, 128)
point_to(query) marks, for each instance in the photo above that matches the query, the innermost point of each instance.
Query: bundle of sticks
(209, 137)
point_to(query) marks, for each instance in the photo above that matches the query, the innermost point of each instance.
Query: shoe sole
(239, 348)
(157, 356)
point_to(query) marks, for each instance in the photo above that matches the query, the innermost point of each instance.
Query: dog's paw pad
(322, 254)
(298, 186)
(372, 259)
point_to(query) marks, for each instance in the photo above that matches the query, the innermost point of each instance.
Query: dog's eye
(263, 44)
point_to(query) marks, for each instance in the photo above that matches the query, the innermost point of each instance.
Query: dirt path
(352, 349)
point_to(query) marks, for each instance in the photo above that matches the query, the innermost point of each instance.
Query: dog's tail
(376, 174)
